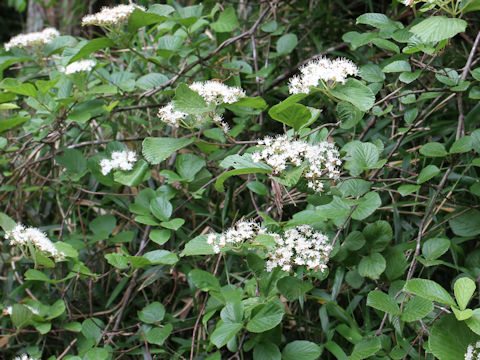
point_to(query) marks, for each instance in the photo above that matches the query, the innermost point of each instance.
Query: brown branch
(223, 45)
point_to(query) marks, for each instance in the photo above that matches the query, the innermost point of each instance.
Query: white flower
(239, 233)
(473, 352)
(111, 16)
(320, 159)
(77, 66)
(7, 311)
(321, 69)
(216, 92)
(301, 246)
(22, 236)
(120, 160)
(171, 116)
(24, 357)
(32, 39)
(413, 2)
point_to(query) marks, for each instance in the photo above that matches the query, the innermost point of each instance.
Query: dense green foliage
(133, 272)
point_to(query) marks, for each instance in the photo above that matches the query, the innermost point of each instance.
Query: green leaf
(242, 162)
(161, 208)
(188, 165)
(462, 315)
(464, 144)
(151, 81)
(117, 260)
(438, 28)
(396, 66)
(90, 47)
(17, 87)
(354, 187)
(301, 350)
(266, 351)
(221, 179)
(55, 310)
(103, 225)
(198, 246)
(372, 266)
(232, 312)
(152, 313)
(189, 101)
(227, 21)
(6, 222)
(365, 349)
(258, 187)
(160, 237)
(158, 335)
(432, 249)
(72, 160)
(474, 322)
(224, 333)
(204, 280)
(37, 275)
(416, 309)
(133, 177)
(173, 224)
(407, 77)
(362, 156)
(467, 224)
(355, 93)
(252, 102)
(449, 338)
(378, 20)
(74, 326)
(369, 203)
(405, 190)
(433, 149)
(354, 241)
(295, 115)
(267, 318)
(155, 150)
(386, 44)
(430, 290)
(383, 302)
(91, 329)
(427, 173)
(348, 114)
(139, 18)
(21, 316)
(293, 288)
(287, 43)
(463, 289)
(96, 354)
(157, 257)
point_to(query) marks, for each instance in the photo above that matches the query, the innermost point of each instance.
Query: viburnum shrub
(243, 180)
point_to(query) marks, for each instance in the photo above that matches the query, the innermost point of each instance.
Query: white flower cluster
(216, 92)
(300, 246)
(413, 2)
(7, 311)
(24, 357)
(239, 233)
(78, 66)
(20, 235)
(111, 16)
(473, 352)
(32, 39)
(212, 92)
(321, 69)
(322, 159)
(171, 116)
(123, 160)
